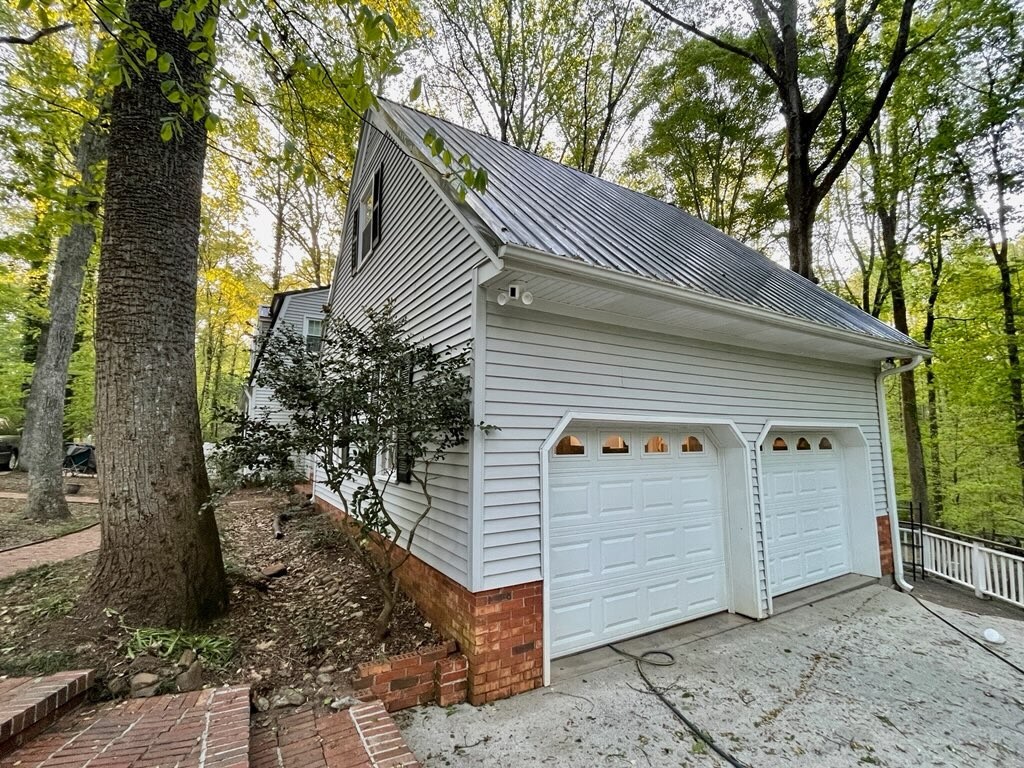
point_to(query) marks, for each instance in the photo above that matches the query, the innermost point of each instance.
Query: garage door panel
(605, 612)
(615, 499)
(804, 518)
(570, 504)
(638, 545)
(619, 554)
(570, 561)
(658, 496)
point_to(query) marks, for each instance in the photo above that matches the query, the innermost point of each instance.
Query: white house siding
(294, 311)
(541, 365)
(425, 263)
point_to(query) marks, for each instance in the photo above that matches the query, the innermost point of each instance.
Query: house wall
(424, 262)
(294, 311)
(541, 365)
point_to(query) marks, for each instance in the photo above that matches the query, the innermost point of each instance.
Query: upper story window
(314, 332)
(366, 221)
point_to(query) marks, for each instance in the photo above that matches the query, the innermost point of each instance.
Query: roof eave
(541, 261)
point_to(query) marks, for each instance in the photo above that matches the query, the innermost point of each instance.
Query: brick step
(364, 736)
(30, 704)
(208, 728)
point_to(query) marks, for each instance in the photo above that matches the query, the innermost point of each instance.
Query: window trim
(367, 218)
(306, 334)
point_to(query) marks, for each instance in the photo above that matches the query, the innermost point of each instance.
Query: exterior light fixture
(515, 292)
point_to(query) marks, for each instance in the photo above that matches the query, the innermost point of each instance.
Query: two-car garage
(651, 525)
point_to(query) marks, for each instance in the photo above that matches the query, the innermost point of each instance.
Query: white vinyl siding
(424, 262)
(294, 312)
(541, 365)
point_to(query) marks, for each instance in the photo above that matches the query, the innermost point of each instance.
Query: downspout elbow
(890, 481)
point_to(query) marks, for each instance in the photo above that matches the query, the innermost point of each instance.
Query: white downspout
(890, 480)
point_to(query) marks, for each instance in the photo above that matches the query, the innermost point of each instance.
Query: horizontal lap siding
(425, 264)
(541, 365)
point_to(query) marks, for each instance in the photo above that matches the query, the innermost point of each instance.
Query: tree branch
(725, 45)
(35, 37)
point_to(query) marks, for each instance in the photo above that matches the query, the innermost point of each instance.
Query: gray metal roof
(534, 202)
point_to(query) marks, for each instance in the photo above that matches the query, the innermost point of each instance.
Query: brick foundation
(885, 544)
(499, 631)
(437, 673)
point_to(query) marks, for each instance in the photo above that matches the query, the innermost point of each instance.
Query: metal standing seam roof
(538, 203)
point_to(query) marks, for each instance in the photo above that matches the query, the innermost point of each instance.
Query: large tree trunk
(892, 255)
(936, 260)
(160, 558)
(801, 197)
(44, 411)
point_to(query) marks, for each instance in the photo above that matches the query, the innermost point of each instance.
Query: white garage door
(636, 534)
(805, 510)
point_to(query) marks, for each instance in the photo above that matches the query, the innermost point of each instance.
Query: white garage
(806, 510)
(637, 532)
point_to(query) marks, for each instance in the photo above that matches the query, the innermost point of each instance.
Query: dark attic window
(367, 221)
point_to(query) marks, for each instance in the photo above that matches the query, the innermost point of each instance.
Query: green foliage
(375, 409)
(169, 644)
(715, 146)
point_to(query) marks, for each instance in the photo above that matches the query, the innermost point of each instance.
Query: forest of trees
(875, 147)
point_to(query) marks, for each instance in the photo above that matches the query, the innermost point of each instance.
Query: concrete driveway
(863, 678)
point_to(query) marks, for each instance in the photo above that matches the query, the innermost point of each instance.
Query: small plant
(52, 606)
(215, 650)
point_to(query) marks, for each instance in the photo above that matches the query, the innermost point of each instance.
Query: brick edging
(380, 737)
(33, 704)
(435, 673)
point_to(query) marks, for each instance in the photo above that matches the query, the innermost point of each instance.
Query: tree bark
(44, 411)
(160, 559)
(892, 256)
(936, 264)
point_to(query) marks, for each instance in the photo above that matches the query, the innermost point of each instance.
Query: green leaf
(150, 55)
(417, 88)
(163, 64)
(167, 132)
(23, 5)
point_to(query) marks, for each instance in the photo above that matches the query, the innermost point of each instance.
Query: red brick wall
(500, 631)
(436, 673)
(885, 544)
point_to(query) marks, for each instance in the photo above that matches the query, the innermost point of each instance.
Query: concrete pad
(865, 678)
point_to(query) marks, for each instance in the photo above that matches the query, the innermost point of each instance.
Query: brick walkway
(205, 729)
(52, 551)
(362, 737)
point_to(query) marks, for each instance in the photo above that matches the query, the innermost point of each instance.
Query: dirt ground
(301, 633)
(17, 529)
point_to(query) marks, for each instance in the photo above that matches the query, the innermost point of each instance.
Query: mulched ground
(298, 634)
(17, 529)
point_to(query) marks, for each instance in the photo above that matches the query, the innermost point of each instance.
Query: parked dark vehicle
(80, 458)
(9, 447)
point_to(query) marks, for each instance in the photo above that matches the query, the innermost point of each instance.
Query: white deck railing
(989, 572)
